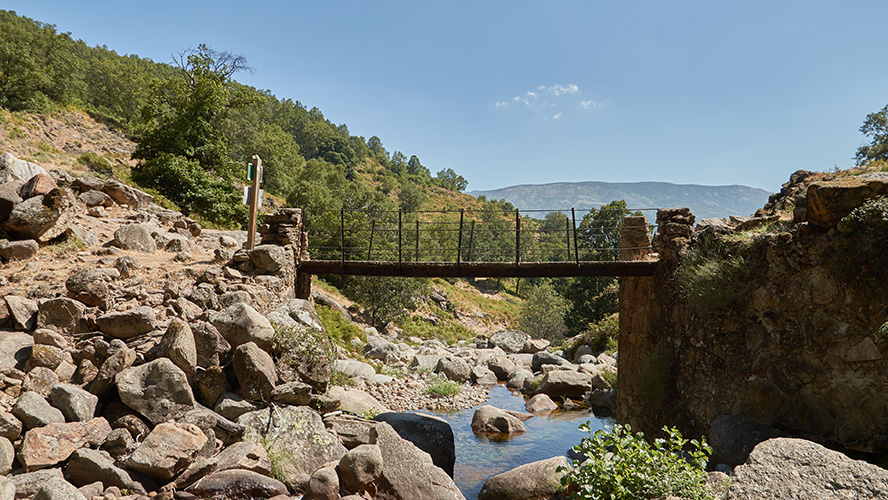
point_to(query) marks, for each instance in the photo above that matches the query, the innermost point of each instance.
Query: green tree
(876, 128)
(542, 313)
(448, 179)
(592, 298)
(386, 298)
(411, 197)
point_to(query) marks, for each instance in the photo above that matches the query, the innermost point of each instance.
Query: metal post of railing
(573, 213)
(342, 235)
(399, 238)
(370, 246)
(567, 233)
(471, 240)
(517, 237)
(416, 259)
(459, 240)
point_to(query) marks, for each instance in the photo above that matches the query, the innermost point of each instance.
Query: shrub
(193, 189)
(341, 331)
(601, 336)
(386, 298)
(713, 273)
(95, 162)
(622, 465)
(542, 313)
(442, 388)
(294, 345)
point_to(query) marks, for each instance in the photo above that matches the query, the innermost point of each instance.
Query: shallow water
(477, 458)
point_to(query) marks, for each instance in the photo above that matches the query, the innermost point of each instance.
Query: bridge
(463, 243)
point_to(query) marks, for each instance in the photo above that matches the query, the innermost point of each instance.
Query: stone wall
(801, 345)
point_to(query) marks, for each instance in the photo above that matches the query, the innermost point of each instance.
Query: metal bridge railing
(468, 236)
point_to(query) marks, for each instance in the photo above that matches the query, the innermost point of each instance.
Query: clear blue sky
(515, 92)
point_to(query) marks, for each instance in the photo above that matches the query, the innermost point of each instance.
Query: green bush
(386, 298)
(194, 190)
(293, 345)
(601, 336)
(542, 313)
(341, 331)
(95, 162)
(622, 465)
(713, 273)
(442, 388)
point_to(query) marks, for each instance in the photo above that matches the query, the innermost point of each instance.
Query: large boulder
(61, 314)
(34, 411)
(502, 367)
(15, 350)
(354, 368)
(430, 434)
(566, 383)
(509, 340)
(359, 467)
(92, 286)
(42, 218)
(126, 195)
(297, 435)
(75, 403)
(9, 198)
(355, 400)
(238, 483)
(135, 237)
(179, 347)
(87, 466)
(240, 455)
(158, 390)
(381, 349)
(543, 358)
(271, 259)
(539, 479)
(732, 439)
(23, 312)
(829, 201)
(58, 489)
(408, 472)
(240, 324)
(18, 250)
(54, 443)
(454, 368)
(167, 450)
(794, 468)
(255, 372)
(127, 324)
(11, 168)
(490, 420)
(40, 184)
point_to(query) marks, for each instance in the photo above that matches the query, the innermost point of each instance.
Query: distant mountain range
(704, 201)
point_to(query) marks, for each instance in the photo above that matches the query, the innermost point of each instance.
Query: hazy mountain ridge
(704, 201)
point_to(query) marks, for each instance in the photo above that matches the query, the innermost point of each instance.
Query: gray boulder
(158, 390)
(430, 434)
(9, 198)
(292, 393)
(271, 259)
(490, 420)
(127, 324)
(296, 432)
(167, 450)
(794, 468)
(75, 403)
(34, 411)
(381, 349)
(15, 350)
(509, 340)
(240, 324)
(10, 427)
(355, 400)
(354, 368)
(7, 456)
(352, 430)
(28, 484)
(454, 368)
(255, 372)
(42, 218)
(92, 286)
(323, 485)
(126, 195)
(547, 358)
(135, 237)
(359, 467)
(23, 312)
(86, 466)
(425, 362)
(240, 455)
(60, 314)
(407, 471)
(540, 403)
(566, 383)
(502, 367)
(58, 489)
(238, 483)
(211, 346)
(11, 168)
(539, 479)
(179, 347)
(18, 250)
(93, 198)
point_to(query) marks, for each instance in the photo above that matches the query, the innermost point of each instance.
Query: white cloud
(559, 99)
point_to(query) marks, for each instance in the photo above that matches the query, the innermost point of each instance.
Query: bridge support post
(636, 299)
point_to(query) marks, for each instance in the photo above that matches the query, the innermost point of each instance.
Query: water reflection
(480, 457)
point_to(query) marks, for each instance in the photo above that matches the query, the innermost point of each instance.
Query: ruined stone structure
(800, 342)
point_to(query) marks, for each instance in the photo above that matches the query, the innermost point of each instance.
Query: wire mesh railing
(468, 236)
